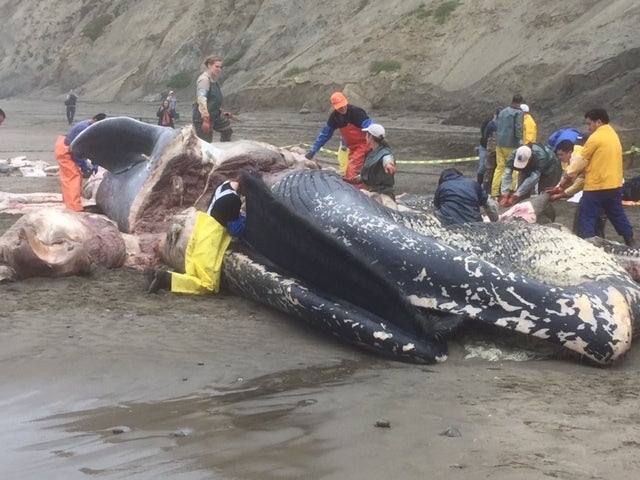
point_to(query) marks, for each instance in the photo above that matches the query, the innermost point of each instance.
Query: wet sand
(100, 379)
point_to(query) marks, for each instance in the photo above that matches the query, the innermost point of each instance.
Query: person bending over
(460, 200)
(209, 241)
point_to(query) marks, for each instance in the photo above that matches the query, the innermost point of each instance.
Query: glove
(558, 196)
(512, 200)
(94, 169)
(309, 155)
(504, 200)
(85, 168)
(553, 190)
(206, 125)
(236, 227)
(565, 181)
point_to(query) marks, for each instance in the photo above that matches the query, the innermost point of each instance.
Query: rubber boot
(156, 280)
(629, 241)
(225, 135)
(148, 275)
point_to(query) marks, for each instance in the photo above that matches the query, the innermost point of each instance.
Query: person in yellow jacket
(210, 239)
(529, 126)
(564, 151)
(601, 162)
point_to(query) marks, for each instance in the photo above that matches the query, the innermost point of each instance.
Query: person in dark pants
(208, 115)
(601, 162)
(568, 144)
(70, 102)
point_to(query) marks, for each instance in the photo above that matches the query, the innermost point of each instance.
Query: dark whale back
(592, 317)
(304, 250)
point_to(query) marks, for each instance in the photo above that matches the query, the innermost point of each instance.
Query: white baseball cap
(523, 154)
(375, 129)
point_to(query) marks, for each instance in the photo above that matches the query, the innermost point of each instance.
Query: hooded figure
(459, 199)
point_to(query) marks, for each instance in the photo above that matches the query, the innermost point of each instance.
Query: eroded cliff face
(455, 60)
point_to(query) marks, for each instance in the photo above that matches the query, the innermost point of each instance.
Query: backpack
(631, 189)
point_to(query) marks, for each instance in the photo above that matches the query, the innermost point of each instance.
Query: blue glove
(84, 168)
(236, 227)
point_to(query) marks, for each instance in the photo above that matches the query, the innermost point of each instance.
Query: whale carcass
(425, 281)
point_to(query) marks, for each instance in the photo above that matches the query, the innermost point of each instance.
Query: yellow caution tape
(435, 162)
(402, 162)
(633, 149)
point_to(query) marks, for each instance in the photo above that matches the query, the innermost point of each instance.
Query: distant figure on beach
(74, 169)
(165, 114)
(2, 116)
(173, 104)
(70, 102)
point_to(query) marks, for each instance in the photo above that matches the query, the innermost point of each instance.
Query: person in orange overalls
(72, 169)
(350, 120)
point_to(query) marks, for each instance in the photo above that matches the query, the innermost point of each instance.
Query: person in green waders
(208, 115)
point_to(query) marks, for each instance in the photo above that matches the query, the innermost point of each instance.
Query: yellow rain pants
(203, 258)
(343, 159)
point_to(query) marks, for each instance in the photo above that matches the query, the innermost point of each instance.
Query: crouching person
(209, 241)
(461, 200)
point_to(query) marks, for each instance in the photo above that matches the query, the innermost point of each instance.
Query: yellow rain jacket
(203, 258)
(529, 129)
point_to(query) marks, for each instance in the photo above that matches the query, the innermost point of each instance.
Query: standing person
(211, 237)
(482, 150)
(2, 116)
(351, 121)
(565, 149)
(173, 104)
(601, 162)
(537, 166)
(72, 168)
(70, 102)
(508, 138)
(377, 174)
(208, 115)
(460, 200)
(165, 114)
(490, 156)
(529, 126)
